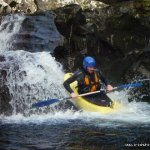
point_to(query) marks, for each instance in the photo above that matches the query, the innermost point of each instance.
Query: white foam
(132, 113)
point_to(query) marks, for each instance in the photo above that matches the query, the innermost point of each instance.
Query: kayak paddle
(51, 101)
(128, 85)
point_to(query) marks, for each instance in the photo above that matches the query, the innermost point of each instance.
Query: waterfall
(10, 25)
(29, 77)
(32, 77)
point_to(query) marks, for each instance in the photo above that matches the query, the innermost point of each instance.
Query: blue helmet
(89, 62)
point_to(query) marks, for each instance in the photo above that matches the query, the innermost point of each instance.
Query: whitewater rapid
(131, 114)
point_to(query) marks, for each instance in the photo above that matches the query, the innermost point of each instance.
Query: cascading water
(10, 25)
(32, 77)
(29, 77)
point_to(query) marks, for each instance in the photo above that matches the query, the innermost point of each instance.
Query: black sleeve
(67, 83)
(103, 79)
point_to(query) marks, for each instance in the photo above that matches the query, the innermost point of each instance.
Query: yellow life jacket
(92, 84)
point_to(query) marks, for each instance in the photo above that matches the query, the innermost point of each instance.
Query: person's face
(90, 69)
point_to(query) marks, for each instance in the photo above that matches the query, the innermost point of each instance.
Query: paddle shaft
(85, 94)
(115, 88)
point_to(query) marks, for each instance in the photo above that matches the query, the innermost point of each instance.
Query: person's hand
(109, 88)
(73, 95)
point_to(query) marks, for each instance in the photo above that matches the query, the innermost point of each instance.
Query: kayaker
(90, 79)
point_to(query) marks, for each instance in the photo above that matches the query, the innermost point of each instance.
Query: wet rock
(28, 6)
(113, 1)
(60, 52)
(33, 33)
(5, 97)
(5, 107)
(140, 66)
(69, 19)
(4, 7)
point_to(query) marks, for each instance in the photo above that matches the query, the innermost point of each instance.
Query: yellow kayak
(83, 104)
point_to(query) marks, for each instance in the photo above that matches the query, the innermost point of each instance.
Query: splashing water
(32, 77)
(131, 113)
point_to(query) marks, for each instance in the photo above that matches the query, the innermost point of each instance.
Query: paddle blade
(45, 103)
(130, 85)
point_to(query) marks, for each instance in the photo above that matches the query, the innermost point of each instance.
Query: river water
(38, 76)
(75, 130)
